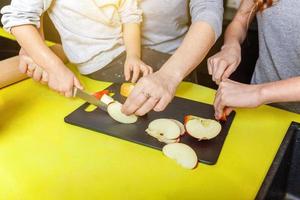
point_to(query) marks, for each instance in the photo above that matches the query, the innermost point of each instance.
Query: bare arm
(236, 31)
(280, 91)
(225, 62)
(61, 78)
(196, 44)
(162, 84)
(133, 63)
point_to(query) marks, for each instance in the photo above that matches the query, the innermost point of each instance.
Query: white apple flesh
(114, 111)
(163, 129)
(106, 99)
(202, 129)
(182, 154)
(180, 125)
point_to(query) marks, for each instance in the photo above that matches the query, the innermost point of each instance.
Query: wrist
(235, 45)
(174, 76)
(263, 94)
(133, 55)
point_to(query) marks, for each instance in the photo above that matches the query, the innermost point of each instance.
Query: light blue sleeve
(209, 11)
(22, 12)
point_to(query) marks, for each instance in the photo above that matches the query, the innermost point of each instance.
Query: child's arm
(131, 17)
(60, 78)
(224, 63)
(133, 63)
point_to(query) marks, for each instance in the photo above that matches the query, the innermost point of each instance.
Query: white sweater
(90, 30)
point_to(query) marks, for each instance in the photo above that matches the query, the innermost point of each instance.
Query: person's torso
(279, 42)
(165, 22)
(279, 45)
(84, 28)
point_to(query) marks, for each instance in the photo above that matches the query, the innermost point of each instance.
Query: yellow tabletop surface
(42, 157)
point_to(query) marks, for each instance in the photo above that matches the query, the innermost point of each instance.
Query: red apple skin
(187, 118)
(99, 94)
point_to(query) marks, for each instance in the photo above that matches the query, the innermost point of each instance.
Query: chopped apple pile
(126, 89)
(182, 153)
(201, 128)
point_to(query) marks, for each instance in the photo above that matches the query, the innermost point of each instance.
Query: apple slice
(182, 153)
(169, 141)
(106, 99)
(114, 111)
(180, 125)
(201, 128)
(126, 89)
(163, 128)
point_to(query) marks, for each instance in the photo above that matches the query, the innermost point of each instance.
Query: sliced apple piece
(169, 141)
(163, 128)
(201, 128)
(106, 99)
(126, 89)
(180, 125)
(114, 111)
(182, 153)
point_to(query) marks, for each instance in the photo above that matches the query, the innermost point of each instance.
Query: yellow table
(41, 157)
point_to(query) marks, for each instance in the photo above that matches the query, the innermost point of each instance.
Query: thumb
(77, 84)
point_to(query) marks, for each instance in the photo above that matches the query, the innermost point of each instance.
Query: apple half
(164, 129)
(201, 128)
(114, 110)
(182, 154)
(126, 89)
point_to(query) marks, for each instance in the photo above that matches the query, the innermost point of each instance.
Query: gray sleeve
(21, 12)
(209, 11)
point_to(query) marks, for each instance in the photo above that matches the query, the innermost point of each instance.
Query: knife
(89, 98)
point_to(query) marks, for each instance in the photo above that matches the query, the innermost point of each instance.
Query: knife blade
(89, 98)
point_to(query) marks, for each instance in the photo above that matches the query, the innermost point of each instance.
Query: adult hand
(29, 67)
(224, 63)
(154, 91)
(232, 94)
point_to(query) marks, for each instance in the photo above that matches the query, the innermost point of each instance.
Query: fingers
(147, 106)
(146, 69)
(220, 67)
(37, 74)
(210, 65)
(162, 104)
(127, 72)
(135, 74)
(77, 83)
(218, 105)
(228, 71)
(22, 66)
(45, 77)
(133, 102)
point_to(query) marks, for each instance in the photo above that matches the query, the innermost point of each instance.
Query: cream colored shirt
(90, 30)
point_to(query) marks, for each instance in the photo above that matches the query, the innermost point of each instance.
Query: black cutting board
(207, 151)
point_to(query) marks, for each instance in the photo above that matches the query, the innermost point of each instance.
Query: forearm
(281, 91)
(132, 39)
(30, 39)
(196, 44)
(236, 31)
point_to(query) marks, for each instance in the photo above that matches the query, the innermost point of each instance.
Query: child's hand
(224, 63)
(136, 66)
(62, 80)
